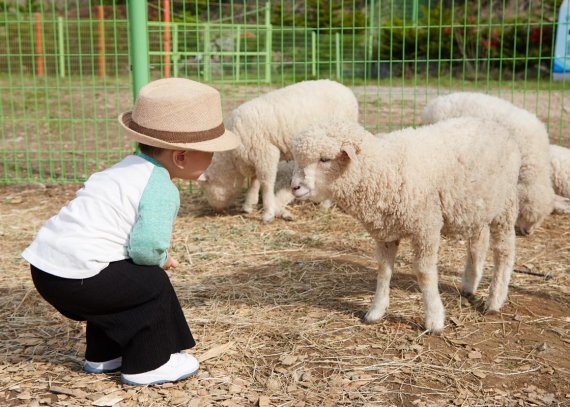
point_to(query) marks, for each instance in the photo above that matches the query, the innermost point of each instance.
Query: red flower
(534, 35)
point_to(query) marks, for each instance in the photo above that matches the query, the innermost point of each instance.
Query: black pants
(131, 311)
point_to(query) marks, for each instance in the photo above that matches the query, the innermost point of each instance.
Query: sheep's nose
(296, 187)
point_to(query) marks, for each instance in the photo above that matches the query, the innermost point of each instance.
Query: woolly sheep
(456, 177)
(560, 162)
(536, 196)
(283, 194)
(266, 126)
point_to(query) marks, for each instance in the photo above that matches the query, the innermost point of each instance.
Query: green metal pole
(61, 48)
(238, 45)
(175, 55)
(138, 44)
(337, 46)
(313, 54)
(415, 12)
(371, 26)
(268, 42)
(206, 52)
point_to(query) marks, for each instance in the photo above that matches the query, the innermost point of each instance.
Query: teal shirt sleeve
(151, 234)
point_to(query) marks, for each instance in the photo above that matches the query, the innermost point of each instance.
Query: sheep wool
(266, 126)
(535, 193)
(560, 162)
(457, 177)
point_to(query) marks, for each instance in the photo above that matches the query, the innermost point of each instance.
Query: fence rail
(65, 71)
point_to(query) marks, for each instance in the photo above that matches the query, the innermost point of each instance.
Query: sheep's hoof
(247, 209)
(373, 316)
(434, 327)
(493, 306)
(286, 215)
(267, 218)
(561, 205)
(466, 294)
(435, 320)
(491, 309)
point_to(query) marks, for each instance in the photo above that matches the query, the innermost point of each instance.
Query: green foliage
(329, 15)
(14, 6)
(465, 45)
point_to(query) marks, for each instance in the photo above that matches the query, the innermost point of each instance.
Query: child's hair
(151, 151)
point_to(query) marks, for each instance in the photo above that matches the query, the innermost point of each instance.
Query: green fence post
(268, 42)
(138, 44)
(371, 32)
(313, 54)
(415, 12)
(338, 59)
(175, 55)
(238, 44)
(61, 47)
(207, 52)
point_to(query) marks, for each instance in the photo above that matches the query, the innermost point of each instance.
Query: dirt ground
(277, 313)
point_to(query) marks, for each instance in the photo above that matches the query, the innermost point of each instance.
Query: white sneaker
(179, 366)
(108, 366)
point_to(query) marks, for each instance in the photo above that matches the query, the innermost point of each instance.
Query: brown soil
(277, 312)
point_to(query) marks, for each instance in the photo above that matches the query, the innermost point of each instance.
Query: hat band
(179, 136)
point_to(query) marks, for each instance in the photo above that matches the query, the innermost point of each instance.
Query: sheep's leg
(267, 176)
(283, 197)
(561, 205)
(503, 243)
(425, 268)
(385, 254)
(476, 254)
(252, 196)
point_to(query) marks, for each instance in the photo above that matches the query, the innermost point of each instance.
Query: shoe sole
(184, 376)
(88, 369)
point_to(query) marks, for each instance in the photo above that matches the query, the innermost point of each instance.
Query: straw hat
(178, 113)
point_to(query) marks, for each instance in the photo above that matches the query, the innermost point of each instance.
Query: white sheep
(456, 177)
(266, 126)
(536, 196)
(560, 162)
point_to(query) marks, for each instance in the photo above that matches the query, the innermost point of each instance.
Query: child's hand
(170, 263)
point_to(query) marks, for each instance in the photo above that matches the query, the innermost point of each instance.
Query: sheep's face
(526, 227)
(221, 181)
(319, 161)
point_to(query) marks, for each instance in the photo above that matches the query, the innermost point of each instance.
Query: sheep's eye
(324, 160)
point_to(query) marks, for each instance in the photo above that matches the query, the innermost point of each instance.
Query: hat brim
(226, 141)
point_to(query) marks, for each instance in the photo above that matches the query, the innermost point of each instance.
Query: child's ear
(179, 158)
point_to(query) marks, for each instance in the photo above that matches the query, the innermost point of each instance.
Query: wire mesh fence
(65, 67)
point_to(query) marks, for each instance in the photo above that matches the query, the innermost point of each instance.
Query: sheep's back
(274, 118)
(462, 171)
(528, 131)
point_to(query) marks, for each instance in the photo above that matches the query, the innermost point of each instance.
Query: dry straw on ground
(276, 310)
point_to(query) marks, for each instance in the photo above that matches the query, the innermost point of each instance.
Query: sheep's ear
(349, 150)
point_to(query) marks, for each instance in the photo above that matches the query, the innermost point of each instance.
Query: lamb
(266, 126)
(536, 196)
(457, 177)
(560, 163)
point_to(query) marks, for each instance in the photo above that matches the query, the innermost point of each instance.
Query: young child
(102, 258)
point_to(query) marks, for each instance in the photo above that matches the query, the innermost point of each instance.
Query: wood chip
(108, 400)
(215, 352)
(69, 392)
(264, 401)
(474, 354)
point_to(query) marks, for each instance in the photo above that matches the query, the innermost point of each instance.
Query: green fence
(65, 73)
